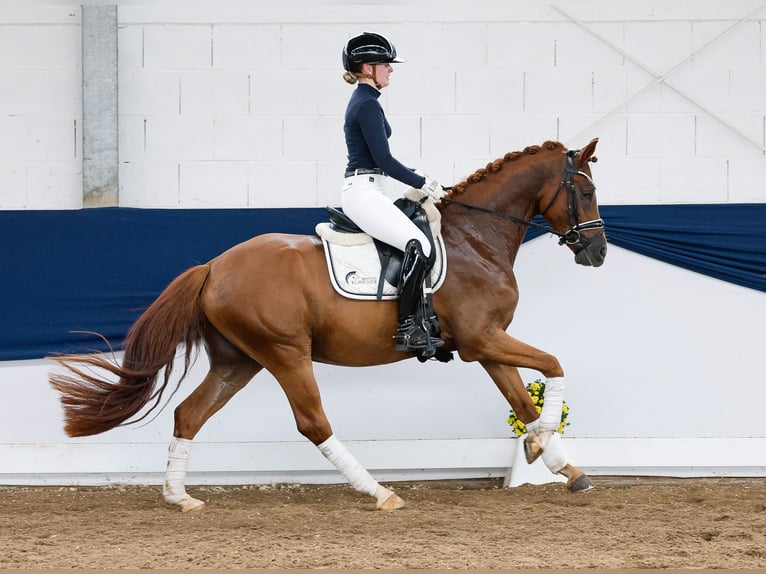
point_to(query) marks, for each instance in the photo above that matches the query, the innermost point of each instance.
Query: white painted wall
(241, 105)
(40, 107)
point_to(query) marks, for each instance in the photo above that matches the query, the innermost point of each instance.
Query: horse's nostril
(603, 252)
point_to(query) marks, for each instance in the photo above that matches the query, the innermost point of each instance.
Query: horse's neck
(493, 236)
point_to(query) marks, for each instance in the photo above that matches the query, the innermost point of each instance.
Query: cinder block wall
(241, 105)
(40, 107)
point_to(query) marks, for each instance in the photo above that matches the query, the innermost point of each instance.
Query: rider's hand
(432, 188)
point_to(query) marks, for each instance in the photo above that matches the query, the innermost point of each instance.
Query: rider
(367, 59)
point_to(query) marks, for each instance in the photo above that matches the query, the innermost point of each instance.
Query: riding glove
(432, 188)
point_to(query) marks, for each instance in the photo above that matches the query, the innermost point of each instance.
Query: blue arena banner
(725, 241)
(69, 274)
(96, 270)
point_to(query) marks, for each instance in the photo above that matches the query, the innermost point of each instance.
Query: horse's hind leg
(298, 382)
(230, 371)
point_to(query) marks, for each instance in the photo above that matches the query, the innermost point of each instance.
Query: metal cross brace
(663, 78)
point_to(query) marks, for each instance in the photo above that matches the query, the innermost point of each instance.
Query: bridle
(571, 236)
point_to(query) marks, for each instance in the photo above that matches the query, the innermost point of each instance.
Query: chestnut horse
(268, 303)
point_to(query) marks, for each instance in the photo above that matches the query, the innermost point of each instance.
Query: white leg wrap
(173, 490)
(349, 467)
(550, 417)
(553, 455)
(534, 426)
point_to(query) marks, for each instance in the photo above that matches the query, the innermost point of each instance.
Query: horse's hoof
(532, 449)
(187, 503)
(392, 502)
(191, 504)
(580, 484)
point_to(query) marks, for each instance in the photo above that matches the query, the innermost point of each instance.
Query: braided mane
(497, 165)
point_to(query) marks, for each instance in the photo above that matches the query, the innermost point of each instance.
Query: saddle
(364, 268)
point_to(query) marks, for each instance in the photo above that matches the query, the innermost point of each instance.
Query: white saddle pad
(354, 265)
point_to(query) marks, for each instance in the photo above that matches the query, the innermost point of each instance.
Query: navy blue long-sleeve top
(367, 131)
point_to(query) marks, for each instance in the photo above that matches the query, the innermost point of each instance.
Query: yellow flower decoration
(536, 391)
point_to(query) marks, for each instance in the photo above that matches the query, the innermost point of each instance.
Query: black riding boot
(413, 329)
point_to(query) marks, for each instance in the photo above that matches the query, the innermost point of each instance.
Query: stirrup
(413, 337)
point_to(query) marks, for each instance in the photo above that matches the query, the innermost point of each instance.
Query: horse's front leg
(502, 355)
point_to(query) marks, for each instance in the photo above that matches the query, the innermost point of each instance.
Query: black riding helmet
(368, 48)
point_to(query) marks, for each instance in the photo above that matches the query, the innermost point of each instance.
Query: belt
(364, 171)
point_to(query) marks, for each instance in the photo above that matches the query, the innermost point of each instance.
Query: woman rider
(367, 59)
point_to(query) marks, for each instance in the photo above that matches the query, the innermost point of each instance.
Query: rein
(547, 228)
(571, 236)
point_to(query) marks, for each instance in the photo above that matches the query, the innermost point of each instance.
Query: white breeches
(363, 199)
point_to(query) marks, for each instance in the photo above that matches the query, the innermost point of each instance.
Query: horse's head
(570, 207)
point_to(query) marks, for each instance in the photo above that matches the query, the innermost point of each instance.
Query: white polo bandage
(533, 427)
(553, 402)
(553, 454)
(349, 467)
(175, 475)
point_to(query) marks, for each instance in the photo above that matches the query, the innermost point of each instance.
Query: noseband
(571, 236)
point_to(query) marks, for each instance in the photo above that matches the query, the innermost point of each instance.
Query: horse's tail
(93, 404)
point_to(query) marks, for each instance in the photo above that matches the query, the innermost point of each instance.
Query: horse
(267, 303)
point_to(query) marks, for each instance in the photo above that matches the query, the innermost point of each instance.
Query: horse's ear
(586, 153)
